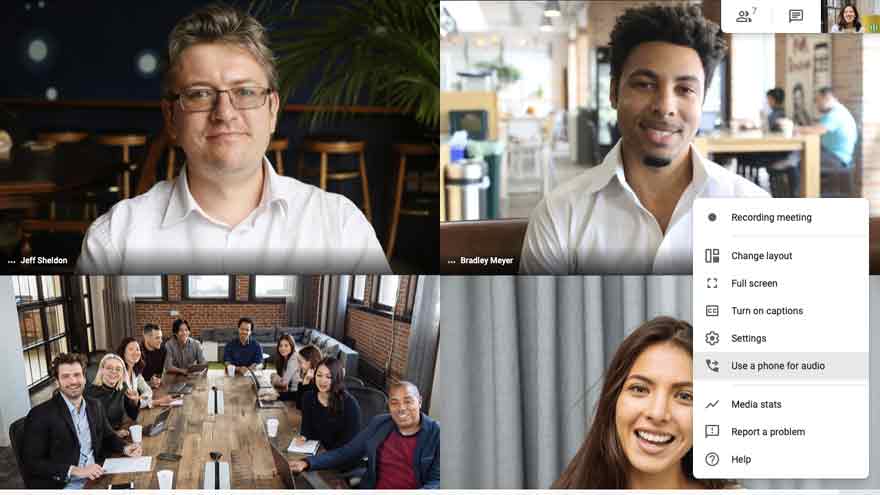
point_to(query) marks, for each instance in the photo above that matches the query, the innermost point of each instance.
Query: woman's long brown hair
(601, 463)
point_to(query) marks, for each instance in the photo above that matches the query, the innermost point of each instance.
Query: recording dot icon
(712, 217)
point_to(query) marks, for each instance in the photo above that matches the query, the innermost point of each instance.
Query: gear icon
(712, 338)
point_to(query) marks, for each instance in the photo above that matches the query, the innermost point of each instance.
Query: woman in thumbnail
(286, 376)
(309, 357)
(641, 436)
(329, 414)
(130, 350)
(110, 389)
(848, 21)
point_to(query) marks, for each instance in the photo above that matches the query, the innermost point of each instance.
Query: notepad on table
(310, 447)
(115, 465)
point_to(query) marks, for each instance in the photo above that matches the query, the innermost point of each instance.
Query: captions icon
(711, 310)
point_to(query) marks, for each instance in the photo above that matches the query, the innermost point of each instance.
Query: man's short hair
(245, 319)
(71, 358)
(825, 91)
(778, 94)
(684, 26)
(219, 23)
(405, 384)
(150, 328)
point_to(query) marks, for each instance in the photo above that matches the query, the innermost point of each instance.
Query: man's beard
(66, 392)
(656, 161)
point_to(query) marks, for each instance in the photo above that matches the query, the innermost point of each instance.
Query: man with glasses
(228, 211)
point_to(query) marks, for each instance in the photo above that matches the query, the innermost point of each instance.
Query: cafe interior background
(93, 68)
(533, 79)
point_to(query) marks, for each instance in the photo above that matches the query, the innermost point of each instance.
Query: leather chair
(353, 381)
(16, 438)
(481, 238)
(373, 402)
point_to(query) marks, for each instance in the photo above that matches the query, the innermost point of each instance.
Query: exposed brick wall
(208, 315)
(374, 336)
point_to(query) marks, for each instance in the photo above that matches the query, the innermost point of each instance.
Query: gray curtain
(423, 336)
(295, 303)
(504, 339)
(119, 310)
(334, 304)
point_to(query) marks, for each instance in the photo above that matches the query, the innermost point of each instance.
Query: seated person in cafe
(243, 352)
(153, 354)
(286, 377)
(109, 389)
(838, 129)
(330, 415)
(402, 447)
(228, 211)
(786, 160)
(68, 436)
(181, 351)
(633, 212)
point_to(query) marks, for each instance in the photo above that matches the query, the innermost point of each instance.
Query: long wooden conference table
(239, 434)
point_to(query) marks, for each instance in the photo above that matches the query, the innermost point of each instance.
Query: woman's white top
(143, 389)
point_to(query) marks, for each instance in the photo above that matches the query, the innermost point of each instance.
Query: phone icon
(712, 365)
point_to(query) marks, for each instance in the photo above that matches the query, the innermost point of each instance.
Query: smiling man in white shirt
(228, 211)
(632, 213)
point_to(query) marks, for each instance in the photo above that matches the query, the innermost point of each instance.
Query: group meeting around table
(88, 420)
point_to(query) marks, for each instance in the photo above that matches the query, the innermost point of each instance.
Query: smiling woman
(641, 436)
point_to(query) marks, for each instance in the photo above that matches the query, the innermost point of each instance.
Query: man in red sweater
(402, 447)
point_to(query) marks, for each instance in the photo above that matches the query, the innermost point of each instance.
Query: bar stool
(126, 142)
(58, 137)
(337, 146)
(279, 145)
(404, 151)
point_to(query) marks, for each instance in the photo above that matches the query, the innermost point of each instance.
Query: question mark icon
(712, 459)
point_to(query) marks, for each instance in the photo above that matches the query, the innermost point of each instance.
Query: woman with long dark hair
(642, 433)
(130, 352)
(329, 414)
(848, 20)
(286, 376)
(308, 357)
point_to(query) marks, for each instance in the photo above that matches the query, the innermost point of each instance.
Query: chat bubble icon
(712, 430)
(795, 15)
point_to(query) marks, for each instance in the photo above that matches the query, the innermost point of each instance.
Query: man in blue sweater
(244, 352)
(402, 447)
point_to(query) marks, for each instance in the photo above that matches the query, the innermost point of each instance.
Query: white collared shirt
(596, 224)
(296, 228)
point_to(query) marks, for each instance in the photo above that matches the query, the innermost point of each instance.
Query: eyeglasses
(205, 99)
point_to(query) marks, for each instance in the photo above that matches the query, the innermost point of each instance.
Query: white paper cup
(136, 433)
(230, 370)
(166, 479)
(272, 427)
